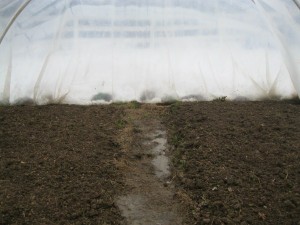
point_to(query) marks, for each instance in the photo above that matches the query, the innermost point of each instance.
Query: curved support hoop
(297, 3)
(20, 10)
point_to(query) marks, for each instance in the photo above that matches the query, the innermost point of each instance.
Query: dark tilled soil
(233, 163)
(237, 163)
(57, 164)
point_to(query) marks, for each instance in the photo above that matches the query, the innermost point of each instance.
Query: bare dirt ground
(230, 163)
(237, 163)
(57, 165)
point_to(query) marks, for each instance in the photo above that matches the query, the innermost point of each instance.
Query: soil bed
(232, 163)
(57, 164)
(235, 162)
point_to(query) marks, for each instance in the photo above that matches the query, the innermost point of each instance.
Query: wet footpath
(149, 198)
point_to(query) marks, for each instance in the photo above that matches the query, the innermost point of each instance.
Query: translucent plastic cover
(89, 51)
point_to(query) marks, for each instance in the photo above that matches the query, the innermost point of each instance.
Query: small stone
(206, 221)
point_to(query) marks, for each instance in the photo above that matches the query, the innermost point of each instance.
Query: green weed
(220, 99)
(174, 106)
(121, 123)
(135, 104)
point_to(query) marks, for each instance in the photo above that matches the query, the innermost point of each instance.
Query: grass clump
(220, 99)
(174, 106)
(121, 123)
(135, 104)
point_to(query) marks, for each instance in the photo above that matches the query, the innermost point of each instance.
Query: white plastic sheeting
(85, 51)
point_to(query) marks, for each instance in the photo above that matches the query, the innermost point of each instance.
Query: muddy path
(149, 198)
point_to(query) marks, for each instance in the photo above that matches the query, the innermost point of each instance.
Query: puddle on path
(138, 211)
(149, 200)
(160, 161)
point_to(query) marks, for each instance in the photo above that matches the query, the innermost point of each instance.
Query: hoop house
(85, 51)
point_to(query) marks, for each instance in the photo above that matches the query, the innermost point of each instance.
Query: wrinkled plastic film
(284, 21)
(88, 51)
